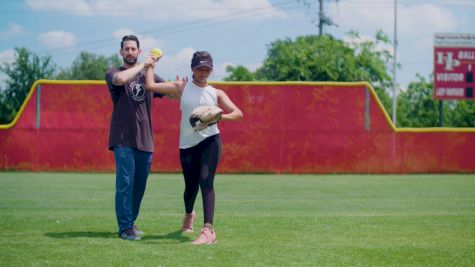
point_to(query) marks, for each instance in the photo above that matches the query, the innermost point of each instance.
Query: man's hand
(150, 61)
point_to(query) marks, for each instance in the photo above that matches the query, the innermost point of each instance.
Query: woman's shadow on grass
(176, 235)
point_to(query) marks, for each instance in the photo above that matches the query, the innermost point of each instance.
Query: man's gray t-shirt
(131, 122)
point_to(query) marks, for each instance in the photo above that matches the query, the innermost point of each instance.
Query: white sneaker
(137, 231)
(207, 236)
(188, 221)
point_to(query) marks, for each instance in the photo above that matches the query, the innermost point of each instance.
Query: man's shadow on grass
(82, 234)
(176, 235)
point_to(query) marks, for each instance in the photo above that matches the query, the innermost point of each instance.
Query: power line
(182, 27)
(166, 10)
(411, 2)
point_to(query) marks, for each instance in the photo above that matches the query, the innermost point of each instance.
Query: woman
(200, 151)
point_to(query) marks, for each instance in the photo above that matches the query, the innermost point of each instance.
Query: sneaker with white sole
(137, 231)
(207, 236)
(188, 221)
(129, 235)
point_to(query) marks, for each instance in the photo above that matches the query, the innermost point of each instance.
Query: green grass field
(68, 219)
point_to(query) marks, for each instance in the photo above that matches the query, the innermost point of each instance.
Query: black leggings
(199, 165)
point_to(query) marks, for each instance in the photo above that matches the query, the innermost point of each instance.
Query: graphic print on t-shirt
(136, 90)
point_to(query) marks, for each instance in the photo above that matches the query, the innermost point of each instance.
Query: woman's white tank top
(194, 96)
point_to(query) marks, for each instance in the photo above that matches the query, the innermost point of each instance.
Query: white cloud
(164, 10)
(6, 56)
(57, 39)
(351, 16)
(219, 72)
(118, 34)
(412, 19)
(171, 65)
(79, 7)
(425, 18)
(12, 30)
(3, 80)
(146, 42)
(416, 24)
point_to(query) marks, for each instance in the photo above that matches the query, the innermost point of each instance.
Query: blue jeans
(132, 169)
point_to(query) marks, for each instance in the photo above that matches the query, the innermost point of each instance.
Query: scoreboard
(454, 65)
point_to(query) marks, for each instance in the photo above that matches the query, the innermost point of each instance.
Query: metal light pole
(395, 64)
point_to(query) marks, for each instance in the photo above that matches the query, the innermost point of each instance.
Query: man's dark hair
(130, 37)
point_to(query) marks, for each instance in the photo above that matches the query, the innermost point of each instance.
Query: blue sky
(235, 32)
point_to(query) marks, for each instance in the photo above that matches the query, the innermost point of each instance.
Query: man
(131, 133)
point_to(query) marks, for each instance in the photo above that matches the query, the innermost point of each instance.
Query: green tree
(324, 58)
(238, 73)
(88, 66)
(25, 69)
(418, 108)
(463, 114)
(416, 105)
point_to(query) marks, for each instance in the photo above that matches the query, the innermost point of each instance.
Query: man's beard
(130, 60)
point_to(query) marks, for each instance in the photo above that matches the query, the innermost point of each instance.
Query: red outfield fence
(288, 127)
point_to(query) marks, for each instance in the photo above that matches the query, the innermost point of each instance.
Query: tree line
(27, 67)
(306, 58)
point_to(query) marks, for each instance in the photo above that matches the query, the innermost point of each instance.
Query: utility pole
(395, 64)
(320, 18)
(323, 19)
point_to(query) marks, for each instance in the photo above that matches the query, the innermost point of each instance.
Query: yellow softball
(156, 52)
